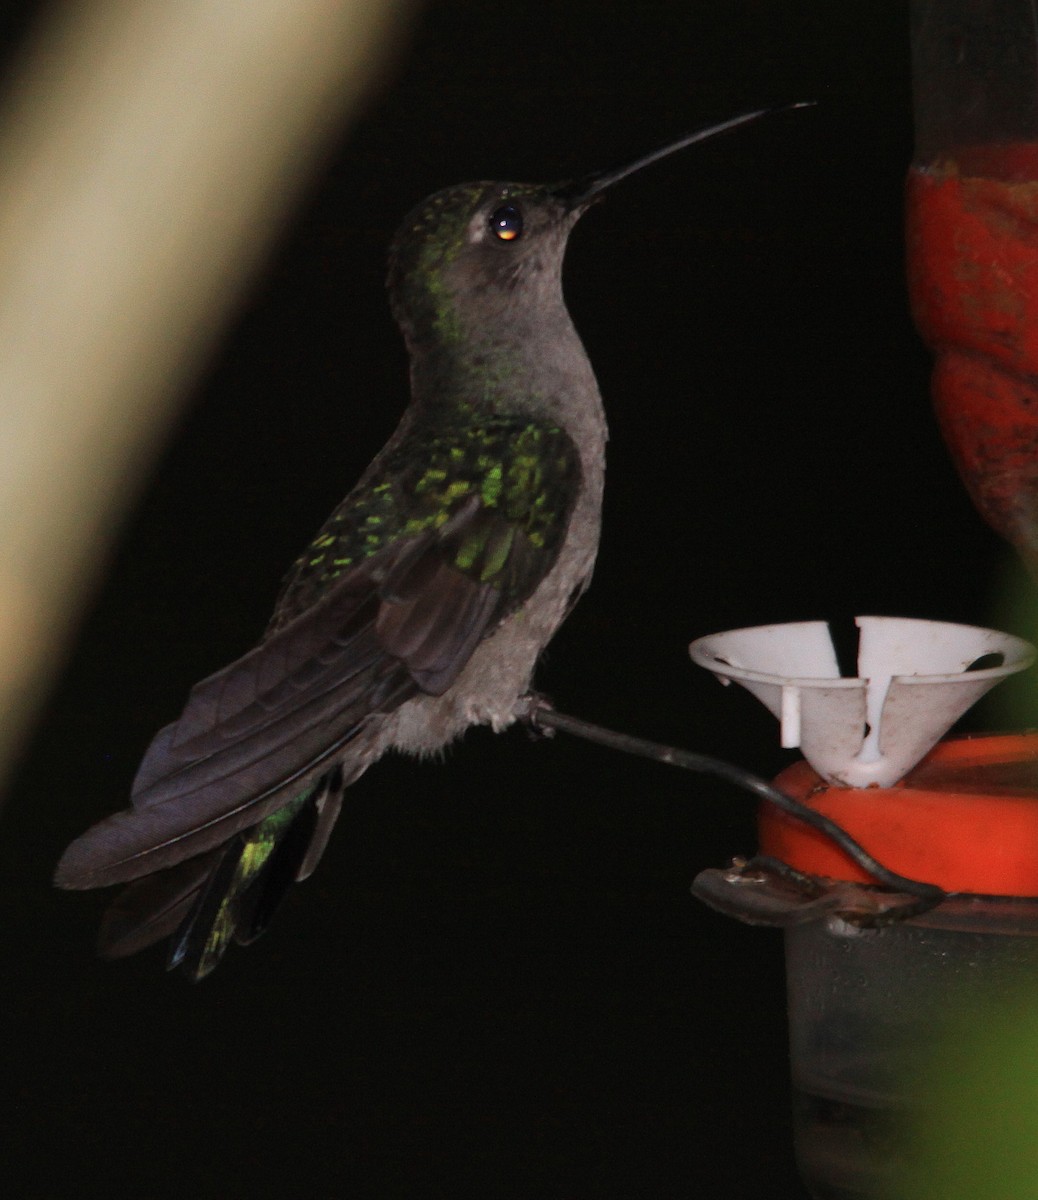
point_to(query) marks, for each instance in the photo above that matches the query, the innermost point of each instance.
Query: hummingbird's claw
(528, 711)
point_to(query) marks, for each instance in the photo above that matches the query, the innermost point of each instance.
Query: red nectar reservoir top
(966, 819)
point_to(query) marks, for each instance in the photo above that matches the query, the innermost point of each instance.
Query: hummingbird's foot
(528, 711)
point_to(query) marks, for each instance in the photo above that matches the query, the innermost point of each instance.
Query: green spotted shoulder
(520, 480)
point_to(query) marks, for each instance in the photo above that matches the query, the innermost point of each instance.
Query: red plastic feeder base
(966, 819)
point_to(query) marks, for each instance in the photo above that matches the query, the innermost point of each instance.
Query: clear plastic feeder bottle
(869, 1002)
(867, 1005)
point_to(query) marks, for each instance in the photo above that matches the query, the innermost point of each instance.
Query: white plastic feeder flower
(915, 679)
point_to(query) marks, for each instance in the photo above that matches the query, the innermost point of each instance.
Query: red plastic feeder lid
(966, 819)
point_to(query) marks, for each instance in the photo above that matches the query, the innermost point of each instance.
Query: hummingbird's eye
(506, 223)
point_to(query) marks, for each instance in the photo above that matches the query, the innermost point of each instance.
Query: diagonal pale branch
(150, 148)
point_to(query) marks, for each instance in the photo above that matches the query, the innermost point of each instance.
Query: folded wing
(461, 544)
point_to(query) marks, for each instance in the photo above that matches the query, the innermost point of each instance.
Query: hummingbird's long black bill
(582, 191)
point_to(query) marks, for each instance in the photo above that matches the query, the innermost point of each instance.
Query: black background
(498, 983)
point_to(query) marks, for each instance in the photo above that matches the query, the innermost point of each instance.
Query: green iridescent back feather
(524, 473)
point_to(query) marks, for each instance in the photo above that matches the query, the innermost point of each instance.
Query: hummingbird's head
(489, 250)
(481, 263)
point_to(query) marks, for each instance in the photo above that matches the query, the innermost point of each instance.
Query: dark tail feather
(328, 805)
(248, 881)
(152, 908)
(233, 902)
(260, 902)
(203, 936)
(230, 893)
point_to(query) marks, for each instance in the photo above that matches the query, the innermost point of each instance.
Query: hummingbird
(423, 603)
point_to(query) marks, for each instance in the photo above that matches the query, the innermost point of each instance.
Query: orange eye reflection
(506, 223)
